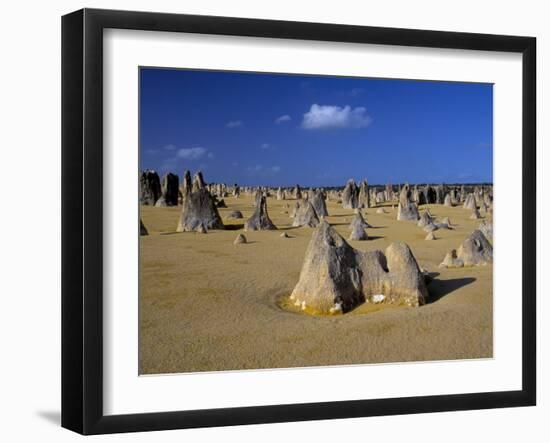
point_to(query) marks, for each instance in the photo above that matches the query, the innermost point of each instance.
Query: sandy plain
(209, 305)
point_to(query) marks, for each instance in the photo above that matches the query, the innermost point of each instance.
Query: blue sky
(276, 129)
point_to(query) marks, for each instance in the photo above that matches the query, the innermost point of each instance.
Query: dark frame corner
(82, 152)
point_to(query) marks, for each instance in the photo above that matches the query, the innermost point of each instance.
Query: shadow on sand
(440, 288)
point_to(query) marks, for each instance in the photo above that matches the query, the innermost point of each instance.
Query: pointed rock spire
(259, 221)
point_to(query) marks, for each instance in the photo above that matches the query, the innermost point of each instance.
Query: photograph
(291, 221)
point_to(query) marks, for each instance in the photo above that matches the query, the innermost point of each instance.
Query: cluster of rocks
(475, 250)
(336, 278)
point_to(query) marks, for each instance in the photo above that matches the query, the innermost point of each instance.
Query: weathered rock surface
(318, 202)
(305, 215)
(198, 209)
(470, 202)
(260, 221)
(335, 277)
(358, 232)
(425, 219)
(358, 221)
(150, 189)
(350, 196)
(170, 188)
(364, 196)
(475, 250)
(406, 209)
(487, 228)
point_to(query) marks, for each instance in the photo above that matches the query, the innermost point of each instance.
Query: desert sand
(207, 304)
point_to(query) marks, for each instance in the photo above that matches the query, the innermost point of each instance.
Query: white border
(126, 392)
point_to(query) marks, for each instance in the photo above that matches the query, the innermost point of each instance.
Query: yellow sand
(208, 305)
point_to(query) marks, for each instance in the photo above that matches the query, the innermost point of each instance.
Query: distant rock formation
(335, 277)
(142, 228)
(406, 209)
(280, 194)
(470, 202)
(364, 196)
(259, 221)
(318, 202)
(350, 196)
(305, 215)
(199, 208)
(475, 250)
(297, 193)
(448, 201)
(150, 189)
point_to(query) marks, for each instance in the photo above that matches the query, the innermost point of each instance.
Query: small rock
(240, 239)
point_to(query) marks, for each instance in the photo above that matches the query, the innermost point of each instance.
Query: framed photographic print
(269, 221)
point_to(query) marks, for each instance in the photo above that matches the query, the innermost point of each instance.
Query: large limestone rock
(475, 250)
(260, 221)
(335, 277)
(150, 189)
(350, 196)
(318, 202)
(199, 208)
(448, 201)
(406, 209)
(305, 215)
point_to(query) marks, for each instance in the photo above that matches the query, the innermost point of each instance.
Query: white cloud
(275, 169)
(191, 153)
(169, 147)
(325, 116)
(265, 146)
(234, 124)
(283, 119)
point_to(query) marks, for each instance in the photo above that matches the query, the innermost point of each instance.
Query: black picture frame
(82, 218)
